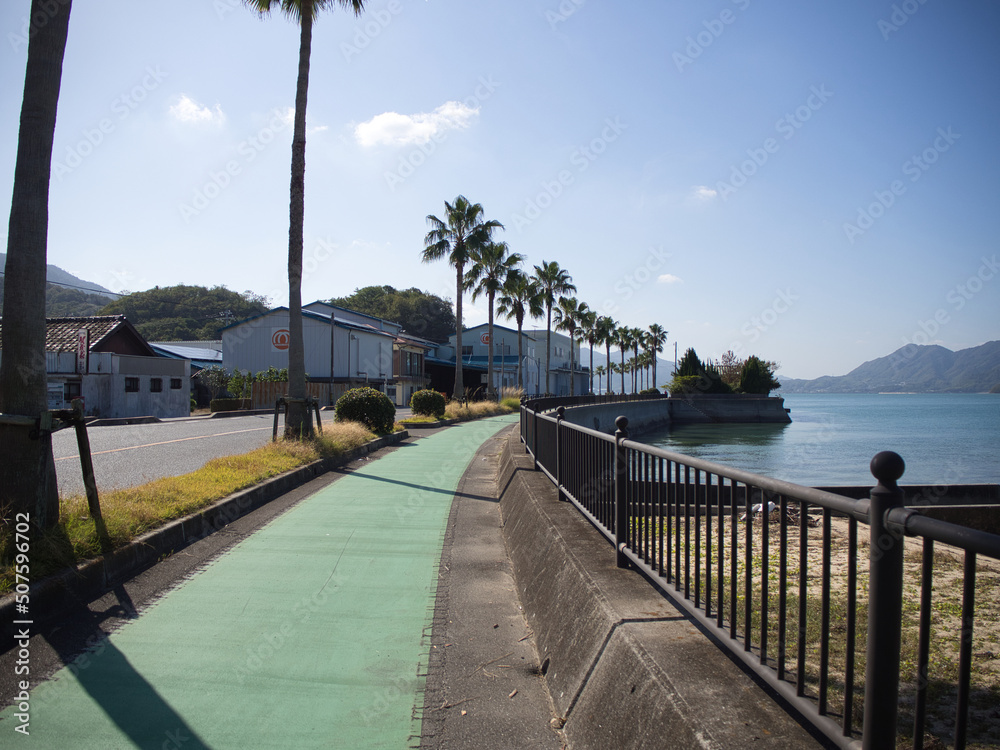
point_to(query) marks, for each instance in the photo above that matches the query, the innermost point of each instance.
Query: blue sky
(812, 182)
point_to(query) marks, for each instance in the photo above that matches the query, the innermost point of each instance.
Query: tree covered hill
(420, 313)
(185, 313)
(914, 369)
(63, 302)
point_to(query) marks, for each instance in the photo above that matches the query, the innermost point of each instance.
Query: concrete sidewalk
(314, 631)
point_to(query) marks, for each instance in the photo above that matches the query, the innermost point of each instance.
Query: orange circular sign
(280, 339)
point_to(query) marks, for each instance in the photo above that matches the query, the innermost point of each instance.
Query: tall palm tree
(568, 313)
(607, 334)
(599, 372)
(589, 333)
(298, 419)
(553, 282)
(636, 343)
(656, 339)
(491, 265)
(624, 343)
(462, 232)
(519, 297)
(27, 471)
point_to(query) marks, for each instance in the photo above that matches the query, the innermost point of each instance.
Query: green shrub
(428, 403)
(649, 391)
(229, 404)
(757, 377)
(369, 407)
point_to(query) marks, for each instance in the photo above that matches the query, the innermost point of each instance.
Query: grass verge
(131, 512)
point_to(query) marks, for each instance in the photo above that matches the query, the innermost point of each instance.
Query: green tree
(298, 419)
(569, 311)
(690, 364)
(27, 471)
(656, 339)
(185, 312)
(553, 282)
(758, 377)
(491, 265)
(589, 333)
(420, 313)
(624, 343)
(462, 232)
(607, 330)
(520, 297)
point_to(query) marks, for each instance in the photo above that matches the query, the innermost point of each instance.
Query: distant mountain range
(55, 275)
(914, 369)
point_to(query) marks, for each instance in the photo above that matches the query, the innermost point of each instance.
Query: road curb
(72, 586)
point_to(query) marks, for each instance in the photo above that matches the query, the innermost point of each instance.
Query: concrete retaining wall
(652, 414)
(625, 668)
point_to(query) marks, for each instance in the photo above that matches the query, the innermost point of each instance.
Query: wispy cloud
(187, 109)
(703, 193)
(394, 129)
(669, 278)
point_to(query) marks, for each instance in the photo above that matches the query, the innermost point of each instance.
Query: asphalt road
(125, 456)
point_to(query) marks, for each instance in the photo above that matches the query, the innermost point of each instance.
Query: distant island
(914, 369)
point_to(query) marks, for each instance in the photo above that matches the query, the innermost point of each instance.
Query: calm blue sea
(943, 438)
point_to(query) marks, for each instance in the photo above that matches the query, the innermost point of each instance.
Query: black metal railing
(781, 573)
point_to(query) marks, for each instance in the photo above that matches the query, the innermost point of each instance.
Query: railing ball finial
(622, 424)
(561, 412)
(887, 467)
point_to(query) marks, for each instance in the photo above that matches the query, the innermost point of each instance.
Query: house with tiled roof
(105, 361)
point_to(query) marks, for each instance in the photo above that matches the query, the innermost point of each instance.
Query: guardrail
(692, 527)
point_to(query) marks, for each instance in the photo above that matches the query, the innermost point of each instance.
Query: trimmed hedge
(229, 404)
(370, 407)
(427, 403)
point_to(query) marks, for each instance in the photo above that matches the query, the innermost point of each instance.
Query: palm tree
(599, 372)
(491, 265)
(655, 341)
(624, 343)
(553, 282)
(568, 313)
(520, 296)
(298, 418)
(461, 233)
(608, 335)
(588, 333)
(636, 341)
(27, 472)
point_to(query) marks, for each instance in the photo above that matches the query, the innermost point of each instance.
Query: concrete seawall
(652, 414)
(624, 667)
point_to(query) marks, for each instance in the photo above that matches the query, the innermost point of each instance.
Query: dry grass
(132, 512)
(476, 410)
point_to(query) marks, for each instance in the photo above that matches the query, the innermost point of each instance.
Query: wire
(97, 292)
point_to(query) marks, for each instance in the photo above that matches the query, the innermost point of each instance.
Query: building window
(466, 351)
(70, 391)
(156, 385)
(175, 384)
(131, 385)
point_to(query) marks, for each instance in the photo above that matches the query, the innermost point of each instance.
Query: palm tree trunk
(489, 366)
(298, 419)
(571, 363)
(459, 382)
(548, 345)
(520, 356)
(27, 472)
(607, 352)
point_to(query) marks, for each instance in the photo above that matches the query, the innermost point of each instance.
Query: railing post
(560, 415)
(885, 605)
(534, 436)
(621, 492)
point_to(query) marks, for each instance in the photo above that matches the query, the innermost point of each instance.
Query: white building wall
(261, 343)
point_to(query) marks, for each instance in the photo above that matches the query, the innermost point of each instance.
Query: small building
(105, 361)
(475, 358)
(561, 381)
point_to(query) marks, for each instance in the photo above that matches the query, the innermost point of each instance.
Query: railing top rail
(938, 530)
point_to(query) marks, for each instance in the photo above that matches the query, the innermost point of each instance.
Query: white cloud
(704, 193)
(669, 278)
(394, 129)
(188, 110)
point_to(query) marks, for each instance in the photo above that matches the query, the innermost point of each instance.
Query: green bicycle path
(312, 633)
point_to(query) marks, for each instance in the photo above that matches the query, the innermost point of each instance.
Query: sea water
(943, 438)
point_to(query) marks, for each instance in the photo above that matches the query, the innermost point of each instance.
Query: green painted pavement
(310, 633)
